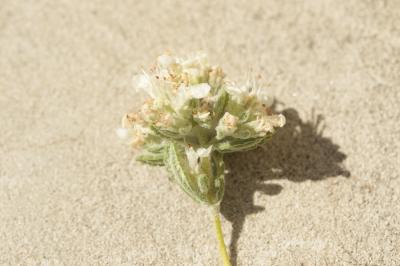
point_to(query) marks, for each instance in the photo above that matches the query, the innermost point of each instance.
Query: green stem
(221, 243)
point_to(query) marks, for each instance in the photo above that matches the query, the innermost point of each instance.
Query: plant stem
(221, 243)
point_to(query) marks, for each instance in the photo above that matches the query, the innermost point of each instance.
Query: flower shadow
(297, 152)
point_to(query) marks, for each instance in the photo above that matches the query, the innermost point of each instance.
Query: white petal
(192, 157)
(203, 152)
(199, 91)
(233, 90)
(265, 99)
(202, 116)
(142, 130)
(143, 82)
(278, 120)
(194, 72)
(227, 125)
(230, 120)
(181, 97)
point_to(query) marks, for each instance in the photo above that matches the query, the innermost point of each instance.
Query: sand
(324, 191)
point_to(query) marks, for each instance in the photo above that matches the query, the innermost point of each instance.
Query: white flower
(194, 156)
(185, 93)
(204, 152)
(199, 91)
(235, 90)
(250, 89)
(181, 97)
(216, 77)
(135, 134)
(144, 83)
(195, 68)
(278, 120)
(202, 116)
(265, 124)
(155, 86)
(254, 89)
(227, 125)
(188, 93)
(264, 98)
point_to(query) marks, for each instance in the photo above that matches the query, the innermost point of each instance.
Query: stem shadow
(297, 152)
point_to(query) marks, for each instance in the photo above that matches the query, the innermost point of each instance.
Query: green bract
(203, 182)
(194, 116)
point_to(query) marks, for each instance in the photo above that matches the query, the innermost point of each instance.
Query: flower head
(193, 117)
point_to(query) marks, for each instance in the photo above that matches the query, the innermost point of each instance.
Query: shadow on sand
(297, 152)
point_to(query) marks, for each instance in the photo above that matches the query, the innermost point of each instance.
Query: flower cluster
(194, 116)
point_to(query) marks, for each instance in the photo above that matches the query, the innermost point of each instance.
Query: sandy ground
(325, 191)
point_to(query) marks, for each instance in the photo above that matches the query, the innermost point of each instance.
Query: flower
(194, 156)
(202, 116)
(193, 118)
(227, 125)
(200, 90)
(263, 125)
(250, 90)
(193, 104)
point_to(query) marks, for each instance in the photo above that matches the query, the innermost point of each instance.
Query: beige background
(324, 191)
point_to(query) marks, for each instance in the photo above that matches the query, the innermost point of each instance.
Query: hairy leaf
(151, 158)
(234, 145)
(199, 186)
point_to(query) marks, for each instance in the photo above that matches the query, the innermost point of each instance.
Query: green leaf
(153, 154)
(234, 145)
(219, 108)
(199, 186)
(151, 158)
(155, 147)
(202, 183)
(165, 133)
